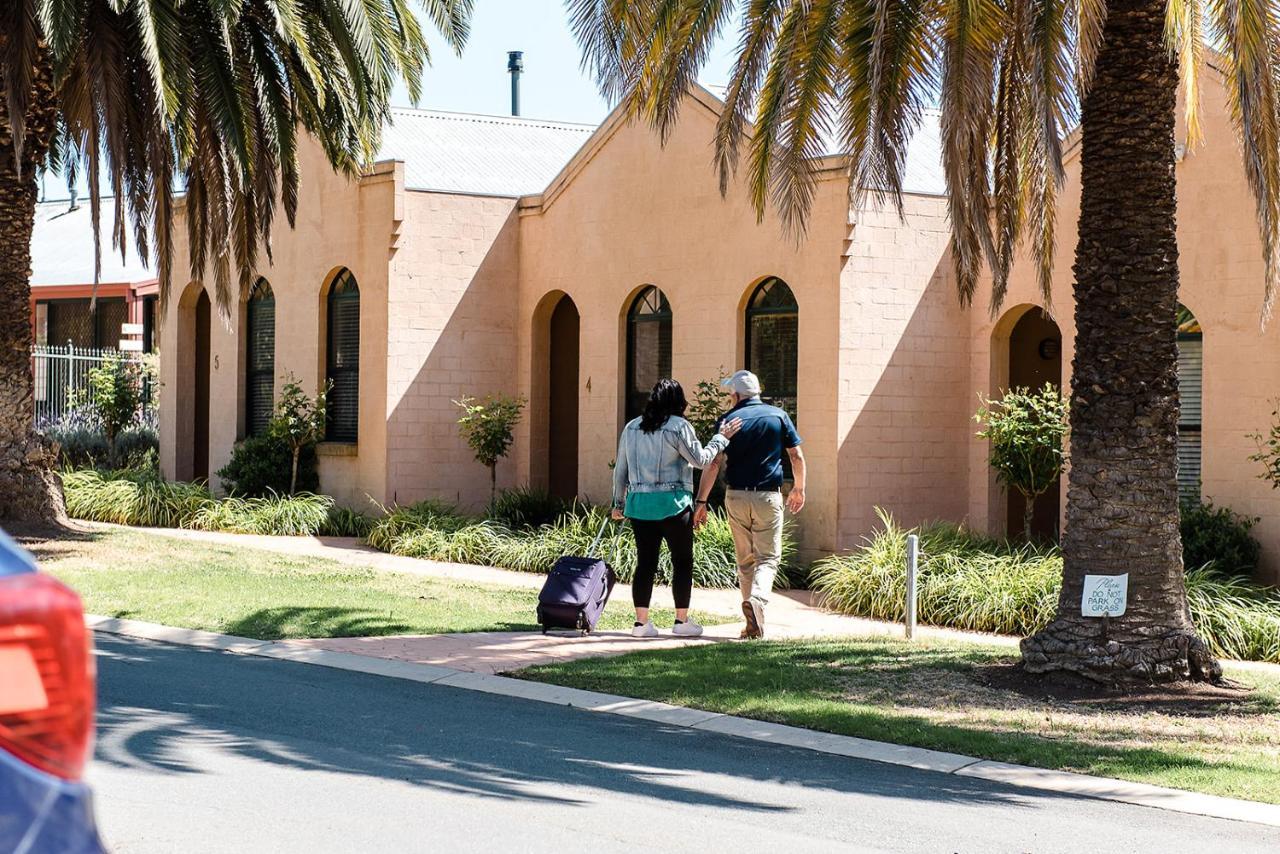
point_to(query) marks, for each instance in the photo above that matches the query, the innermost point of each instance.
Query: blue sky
(553, 85)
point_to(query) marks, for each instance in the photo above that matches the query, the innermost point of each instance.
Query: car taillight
(46, 674)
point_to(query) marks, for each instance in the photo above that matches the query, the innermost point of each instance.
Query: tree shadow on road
(162, 707)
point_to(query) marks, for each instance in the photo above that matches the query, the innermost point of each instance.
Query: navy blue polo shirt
(754, 456)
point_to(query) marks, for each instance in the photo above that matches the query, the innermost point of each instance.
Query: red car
(47, 698)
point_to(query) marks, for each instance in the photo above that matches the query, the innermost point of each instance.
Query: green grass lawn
(938, 696)
(260, 594)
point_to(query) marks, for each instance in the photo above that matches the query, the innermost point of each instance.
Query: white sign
(1105, 595)
(131, 329)
(127, 345)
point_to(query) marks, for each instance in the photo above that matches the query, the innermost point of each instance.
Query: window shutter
(1191, 395)
(259, 393)
(344, 363)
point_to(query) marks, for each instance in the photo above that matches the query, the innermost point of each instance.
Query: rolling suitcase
(576, 590)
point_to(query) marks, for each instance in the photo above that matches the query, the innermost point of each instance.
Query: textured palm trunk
(1122, 498)
(29, 488)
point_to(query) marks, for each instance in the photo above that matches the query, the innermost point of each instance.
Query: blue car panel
(43, 814)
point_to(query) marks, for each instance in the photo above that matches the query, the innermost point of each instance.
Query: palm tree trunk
(1122, 498)
(29, 489)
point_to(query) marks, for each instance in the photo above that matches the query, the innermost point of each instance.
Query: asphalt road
(208, 751)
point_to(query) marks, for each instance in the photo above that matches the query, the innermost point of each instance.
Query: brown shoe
(754, 613)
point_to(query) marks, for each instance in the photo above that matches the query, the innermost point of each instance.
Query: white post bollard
(913, 554)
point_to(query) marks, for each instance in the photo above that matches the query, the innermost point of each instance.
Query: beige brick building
(486, 254)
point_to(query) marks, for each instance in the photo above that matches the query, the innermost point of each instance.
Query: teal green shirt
(654, 506)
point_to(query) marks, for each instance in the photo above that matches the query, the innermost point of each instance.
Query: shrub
(972, 582)
(488, 426)
(83, 444)
(263, 465)
(114, 398)
(304, 514)
(1219, 537)
(298, 422)
(1026, 430)
(526, 507)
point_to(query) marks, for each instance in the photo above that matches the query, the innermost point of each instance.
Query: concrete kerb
(1062, 782)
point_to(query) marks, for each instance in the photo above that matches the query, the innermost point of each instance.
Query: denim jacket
(662, 460)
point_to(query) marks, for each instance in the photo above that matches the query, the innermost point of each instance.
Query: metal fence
(62, 378)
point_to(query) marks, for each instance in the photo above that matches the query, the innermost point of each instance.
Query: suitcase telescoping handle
(600, 535)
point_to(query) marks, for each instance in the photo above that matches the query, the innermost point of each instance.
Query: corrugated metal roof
(62, 247)
(468, 153)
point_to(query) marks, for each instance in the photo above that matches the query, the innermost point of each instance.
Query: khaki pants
(755, 518)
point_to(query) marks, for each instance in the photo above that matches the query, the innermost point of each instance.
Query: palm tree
(1010, 77)
(145, 94)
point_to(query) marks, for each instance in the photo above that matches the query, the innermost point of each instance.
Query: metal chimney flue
(515, 64)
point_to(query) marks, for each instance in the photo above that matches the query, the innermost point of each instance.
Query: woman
(653, 487)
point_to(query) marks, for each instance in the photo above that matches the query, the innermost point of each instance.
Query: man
(753, 501)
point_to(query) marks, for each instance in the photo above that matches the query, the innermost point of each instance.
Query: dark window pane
(344, 359)
(259, 392)
(648, 347)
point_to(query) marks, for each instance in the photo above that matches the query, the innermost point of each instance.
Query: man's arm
(795, 499)
(705, 483)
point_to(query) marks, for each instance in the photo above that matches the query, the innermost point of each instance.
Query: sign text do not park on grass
(1105, 595)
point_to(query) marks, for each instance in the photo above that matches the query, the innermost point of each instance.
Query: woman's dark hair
(666, 399)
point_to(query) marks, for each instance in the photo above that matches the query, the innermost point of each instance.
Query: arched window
(648, 346)
(772, 341)
(260, 359)
(1191, 395)
(342, 363)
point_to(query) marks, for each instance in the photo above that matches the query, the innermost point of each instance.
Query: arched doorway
(1035, 358)
(562, 399)
(191, 392)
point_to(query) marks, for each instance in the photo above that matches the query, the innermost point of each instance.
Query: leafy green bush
(1219, 537)
(972, 582)
(132, 497)
(438, 532)
(1027, 430)
(488, 427)
(263, 465)
(526, 507)
(303, 514)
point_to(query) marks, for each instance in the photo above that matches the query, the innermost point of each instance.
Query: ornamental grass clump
(131, 497)
(304, 514)
(967, 581)
(438, 532)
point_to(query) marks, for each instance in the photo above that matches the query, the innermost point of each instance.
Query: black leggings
(678, 532)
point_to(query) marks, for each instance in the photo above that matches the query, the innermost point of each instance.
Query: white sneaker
(645, 631)
(687, 629)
